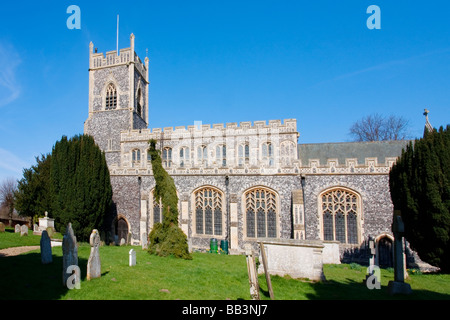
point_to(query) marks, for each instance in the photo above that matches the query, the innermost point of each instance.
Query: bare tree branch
(378, 128)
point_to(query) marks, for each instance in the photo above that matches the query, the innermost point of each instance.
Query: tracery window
(167, 157)
(221, 155)
(261, 213)
(243, 154)
(111, 97)
(208, 211)
(267, 153)
(184, 156)
(340, 211)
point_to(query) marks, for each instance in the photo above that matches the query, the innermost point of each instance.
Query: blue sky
(225, 61)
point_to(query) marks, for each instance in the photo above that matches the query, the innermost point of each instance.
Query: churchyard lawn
(206, 277)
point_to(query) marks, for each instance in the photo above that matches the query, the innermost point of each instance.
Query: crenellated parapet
(125, 56)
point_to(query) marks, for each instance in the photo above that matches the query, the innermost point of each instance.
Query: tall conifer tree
(420, 188)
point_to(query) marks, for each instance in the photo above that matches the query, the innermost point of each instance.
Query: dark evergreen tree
(166, 238)
(420, 188)
(33, 196)
(80, 185)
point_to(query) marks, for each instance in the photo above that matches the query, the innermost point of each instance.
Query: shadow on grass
(24, 277)
(353, 290)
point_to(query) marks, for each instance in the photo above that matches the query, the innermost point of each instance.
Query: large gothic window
(208, 211)
(111, 97)
(340, 212)
(261, 213)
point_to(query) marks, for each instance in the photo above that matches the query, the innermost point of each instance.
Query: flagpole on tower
(117, 42)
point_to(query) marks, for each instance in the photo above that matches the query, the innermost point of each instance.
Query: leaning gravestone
(252, 275)
(2, 227)
(24, 230)
(17, 228)
(94, 266)
(46, 248)
(398, 286)
(70, 252)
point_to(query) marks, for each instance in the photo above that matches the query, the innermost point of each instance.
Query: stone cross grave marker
(70, 252)
(94, 265)
(46, 248)
(251, 269)
(132, 257)
(398, 285)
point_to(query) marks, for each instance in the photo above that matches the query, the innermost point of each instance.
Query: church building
(238, 182)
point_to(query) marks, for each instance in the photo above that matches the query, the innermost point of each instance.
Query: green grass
(206, 277)
(9, 238)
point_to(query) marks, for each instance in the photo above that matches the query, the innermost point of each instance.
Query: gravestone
(70, 252)
(252, 275)
(94, 266)
(24, 230)
(144, 241)
(132, 255)
(123, 242)
(46, 248)
(17, 228)
(398, 286)
(2, 227)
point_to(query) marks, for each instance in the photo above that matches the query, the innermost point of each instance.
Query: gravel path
(9, 252)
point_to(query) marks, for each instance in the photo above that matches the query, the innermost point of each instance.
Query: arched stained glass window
(208, 211)
(340, 211)
(261, 217)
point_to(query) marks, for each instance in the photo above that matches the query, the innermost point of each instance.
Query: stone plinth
(45, 223)
(296, 258)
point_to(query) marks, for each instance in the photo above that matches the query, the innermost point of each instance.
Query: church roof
(343, 150)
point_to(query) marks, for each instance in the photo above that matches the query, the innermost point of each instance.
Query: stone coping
(292, 242)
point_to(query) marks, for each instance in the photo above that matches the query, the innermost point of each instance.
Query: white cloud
(9, 61)
(11, 165)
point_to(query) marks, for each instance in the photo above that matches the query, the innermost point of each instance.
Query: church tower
(118, 97)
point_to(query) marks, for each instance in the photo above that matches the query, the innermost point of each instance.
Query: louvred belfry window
(111, 97)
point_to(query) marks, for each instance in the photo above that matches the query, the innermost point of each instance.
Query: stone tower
(118, 97)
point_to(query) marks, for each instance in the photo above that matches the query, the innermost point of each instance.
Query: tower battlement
(99, 60)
